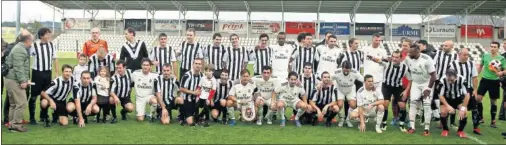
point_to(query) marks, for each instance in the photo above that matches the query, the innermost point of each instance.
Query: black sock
(452, 118)
(385, 115)
(43, 113)
(493, 111)
(476, 118)
(224, 112)
(54, 116)
(480, 109)
(181, 113)
(294, 112)
(113, 110)
(106, 111)
(403, 115)
(346, 107)
(444, 122)
(462, 124)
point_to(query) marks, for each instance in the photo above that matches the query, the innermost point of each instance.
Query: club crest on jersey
(249, 90)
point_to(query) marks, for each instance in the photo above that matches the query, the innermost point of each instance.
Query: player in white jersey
(144, 81)
(421, 76)
(329, 56)
(281, 56)
(79, 68)
(265, 84)
(369, 104)
(289, 93)
(372, 64)
(241, 96)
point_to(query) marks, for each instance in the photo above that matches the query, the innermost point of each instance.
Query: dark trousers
(42, 80)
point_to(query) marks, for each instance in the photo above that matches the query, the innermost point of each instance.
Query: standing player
(265, 84)
(345, 78)
(325, 41)
(281, 56)
(329, 56)
(394, 71)
(453, 95)
(55, 96)
(219, 103)
(166, 88)
(84, 100)
(99, 60)
(144, 84)
(306, 52)
(44, 57)
(289, 93)
(375, 54)
(495, 67)
(121, 87)
(189, 92)
(214, 53)
(163, 54)
(421, 75)
(133, 51)
(369, 104)
(189, 52)
(240, 94)
(323, 103)
(442, 60)
(236, 58)
(262, 54)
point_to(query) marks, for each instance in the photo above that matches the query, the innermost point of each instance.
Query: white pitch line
(472, 137)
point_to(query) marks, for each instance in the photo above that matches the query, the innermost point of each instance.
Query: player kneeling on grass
(84, 101)
(453, 96)
(208, 89)
(55, 96)
(369, 104)
(265, 84)
(289, 93)
(324, 102)
(219, 101)
(144, 81)
(166, 87)
(241, 97)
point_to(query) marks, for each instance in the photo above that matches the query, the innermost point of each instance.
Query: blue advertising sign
(335, 27)
(406, 30)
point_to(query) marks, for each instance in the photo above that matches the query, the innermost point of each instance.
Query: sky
(45, 13)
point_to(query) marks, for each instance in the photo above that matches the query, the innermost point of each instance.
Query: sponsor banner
(167, 25)
(369, 28)
(440, 30)
(233, 27)
(77, 23)
(265, 27)
(335, 27)
(200, 25)
(500, 35)
(109, 24)
(412, 30)
(138, 24)
(299, 27)
(477, 31)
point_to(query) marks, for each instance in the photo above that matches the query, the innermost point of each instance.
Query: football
(495, 65)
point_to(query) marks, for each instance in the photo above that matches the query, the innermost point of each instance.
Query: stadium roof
(422, 7)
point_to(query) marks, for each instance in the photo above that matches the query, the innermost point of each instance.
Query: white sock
(379, 117)
(153, 110)
(341, 115)
(427, 114)
(412, 113)
(231, 113)
(300, 112)
(436, 112)
(282, 113)
(260, 112)
(269, 114)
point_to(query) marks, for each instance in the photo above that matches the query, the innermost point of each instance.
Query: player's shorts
(352, 95)
(140, 104)
(388, 91)
(416, 92)
(368, 113)
(189, 108)
(490, 86)
(61, 108)
(125, 101)
(266, 102)
(217, 104)
(471, 105)
(102, 99)
(171, 104)
(320, 106)
(290, 103)
(455, 102)
(245, 104)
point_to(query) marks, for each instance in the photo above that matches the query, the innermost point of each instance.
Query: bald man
(442, 61)
(91, 46)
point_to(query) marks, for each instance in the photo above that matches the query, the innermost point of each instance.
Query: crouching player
(345, 78)
(289, 93)
(240, 96)
(219, 101)
(55, 96)
(453, 96)
(84, 102)
(265, 84)
(144, 86)
(324, 102)
(369, 104)
(166, 86)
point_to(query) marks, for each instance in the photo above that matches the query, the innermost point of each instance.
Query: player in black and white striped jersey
(308, 80)
(236, 58)
(189, 51)
(394, 71)
(442, 61)
(466, 68)
(84, 100)
(133, 51)
(121, 87)
(262, 54)
(189, 91)
(166, 87)
(55, 97)
(101, 59)
(324, 102)
(213, 54)
(219, 105)
(163, 54)
(305, 52)
(454, 96)
(43, 52)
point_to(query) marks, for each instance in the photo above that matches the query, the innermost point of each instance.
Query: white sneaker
(259, 121)
(349, 123)
(378, 129)
(341, 123)
(269, 121)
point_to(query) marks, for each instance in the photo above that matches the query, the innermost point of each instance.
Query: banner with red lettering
(265, 27)
(477, 31)
(233, 27)
(299, 27)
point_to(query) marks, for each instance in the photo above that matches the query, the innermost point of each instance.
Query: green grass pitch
(131, 131)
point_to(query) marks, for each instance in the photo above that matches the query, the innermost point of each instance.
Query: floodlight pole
(353, 16)
(18, 17)
(465, 22)
(153, 22)
(318, 20)
(114, 20)
(147, 16)
(283, 15)
(84, 17)
(54, 15)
